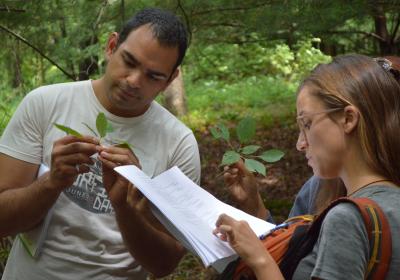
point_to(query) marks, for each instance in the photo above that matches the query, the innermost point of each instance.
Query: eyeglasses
(303, 126)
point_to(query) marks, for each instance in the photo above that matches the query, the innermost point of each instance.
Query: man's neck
(100, 89)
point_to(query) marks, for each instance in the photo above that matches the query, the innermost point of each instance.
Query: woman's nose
(301, 142)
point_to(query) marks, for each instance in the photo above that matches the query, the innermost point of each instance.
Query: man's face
(136, 72)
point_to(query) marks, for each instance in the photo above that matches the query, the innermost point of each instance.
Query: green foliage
(255, 166)
(265, 98)
(221, 131)
(271, 156)
(101, 124)
(103, 127)
(275, 60)
(245, 131)
(68, 130)
(9, 99)
(5, 248)
(230, 157)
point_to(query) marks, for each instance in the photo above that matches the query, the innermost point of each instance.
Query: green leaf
(230, 157)
(272, 155)
(68, 130)
(91, 129)
(246, 129)
(109, 128)
(125, 145)
(216, 133)
(101, 124)
(255, 166)
(221, 131)
(224, 131)
(251, 149)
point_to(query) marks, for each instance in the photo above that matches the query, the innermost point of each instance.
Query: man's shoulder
(59, 87)
(168, 121)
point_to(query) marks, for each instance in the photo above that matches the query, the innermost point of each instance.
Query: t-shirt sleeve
(304, 202)
(23, 136)
(343, 249)
(187, 157)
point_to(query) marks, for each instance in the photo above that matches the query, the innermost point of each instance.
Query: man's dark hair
(166, 27)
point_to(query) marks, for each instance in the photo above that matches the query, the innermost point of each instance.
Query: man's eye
(154, 78)
(129, 63)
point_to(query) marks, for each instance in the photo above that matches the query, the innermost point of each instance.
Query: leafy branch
(250, 154)
(102, 126)
(38, 51)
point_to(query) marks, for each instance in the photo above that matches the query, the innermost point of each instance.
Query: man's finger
(108, 163)
(71, 139)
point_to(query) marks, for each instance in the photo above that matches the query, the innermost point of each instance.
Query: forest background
(246, 58)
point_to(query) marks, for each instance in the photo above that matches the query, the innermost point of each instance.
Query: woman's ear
(351, 118)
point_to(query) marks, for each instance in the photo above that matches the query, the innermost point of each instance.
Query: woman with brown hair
(348, 113)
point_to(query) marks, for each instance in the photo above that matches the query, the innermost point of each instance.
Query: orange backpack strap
(378, 230)
(377, 227)
(380, 237)
(282, 243)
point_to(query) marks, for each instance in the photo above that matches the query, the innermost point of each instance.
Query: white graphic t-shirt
(83, 240)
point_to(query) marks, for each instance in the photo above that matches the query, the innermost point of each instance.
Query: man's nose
(134, 78)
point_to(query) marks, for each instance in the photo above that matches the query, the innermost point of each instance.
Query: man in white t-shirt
(100, 227)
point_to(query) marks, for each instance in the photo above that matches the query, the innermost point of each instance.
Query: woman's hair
(373, 86)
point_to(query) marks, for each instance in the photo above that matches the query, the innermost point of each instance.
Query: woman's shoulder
(344, 220)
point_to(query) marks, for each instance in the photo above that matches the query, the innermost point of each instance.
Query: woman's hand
(242, 239)
(248, 246)
(243, 189)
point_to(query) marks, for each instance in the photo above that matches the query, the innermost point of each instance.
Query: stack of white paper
(189, 213)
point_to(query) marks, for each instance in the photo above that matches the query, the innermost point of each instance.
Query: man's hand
(116, 185)
(68, 157)
(143, 234)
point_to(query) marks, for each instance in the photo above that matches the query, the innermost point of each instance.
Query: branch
(7, 9)
(396, 28)
(38, 51)
(223, 24)
(219, 9)
(218, 40)
(370, 34)
(99, 15)
(189, 29)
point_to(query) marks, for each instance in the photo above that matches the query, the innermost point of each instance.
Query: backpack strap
(378, 230)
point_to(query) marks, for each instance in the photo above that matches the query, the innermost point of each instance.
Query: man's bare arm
(147, 240)
(24, 200)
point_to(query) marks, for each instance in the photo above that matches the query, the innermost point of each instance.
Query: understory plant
(253, 156)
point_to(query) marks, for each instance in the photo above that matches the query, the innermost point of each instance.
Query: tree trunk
(174, 96)
(17, 72)
(387, 46)
(42, 71)
(89, 65)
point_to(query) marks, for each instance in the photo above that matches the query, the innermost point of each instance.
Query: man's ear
(111, 44)
(351, 118)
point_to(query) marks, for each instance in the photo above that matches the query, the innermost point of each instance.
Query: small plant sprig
(103, 127)
(245, 131)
